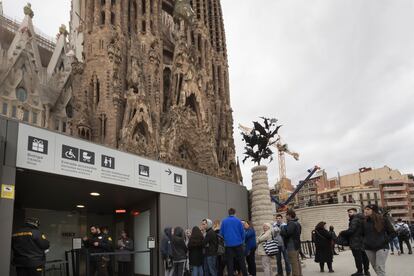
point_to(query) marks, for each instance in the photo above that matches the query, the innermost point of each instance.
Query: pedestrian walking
(354, 235)
(395, 243)
(210, 248)
(195, 252)
(261, 240)
(251, 246)
(277, 227)
(233, 233)
(291, 237)
(29, 246)
(166, 251)
(377, 231)
(412, 231)
(179, 251)
(124, 245)
(323, 246)
(221, 262)
(334, 237)
(404, 234)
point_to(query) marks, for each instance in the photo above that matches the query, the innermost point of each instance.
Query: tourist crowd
(214, 248)
(231, 247)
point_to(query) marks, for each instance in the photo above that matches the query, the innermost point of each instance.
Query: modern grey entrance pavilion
(71, 184)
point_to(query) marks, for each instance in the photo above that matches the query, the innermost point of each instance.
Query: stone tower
(148, 77)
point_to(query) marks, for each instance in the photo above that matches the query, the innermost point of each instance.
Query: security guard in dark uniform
(107, 236)
(97, 243)
(29, 246)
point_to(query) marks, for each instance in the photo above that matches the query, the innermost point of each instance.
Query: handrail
(119, 253)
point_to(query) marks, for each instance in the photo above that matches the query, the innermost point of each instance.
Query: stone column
(261, 203)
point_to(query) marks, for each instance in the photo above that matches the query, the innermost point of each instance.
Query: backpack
(403, 231)
(220, 245)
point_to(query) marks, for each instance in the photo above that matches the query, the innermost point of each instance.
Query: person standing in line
(334, 237)
(221, 261)
(179, 251)
(166, 251)
(233, 233)
(250, 249)
(323, 245)
(125, 245)
(277, 227)
(354, 235)
(210, 248)
(403, 231)
(29, 246)
(261, 240)
(195, 252)
(377, 232)
(291, 237)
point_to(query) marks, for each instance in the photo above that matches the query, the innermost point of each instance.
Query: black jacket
(291, 234)
(374, 240)
(323, 245)
(195, 252)
(210, 243)
(29, 246)
(354, 232)
(179, 248)
(103, 245)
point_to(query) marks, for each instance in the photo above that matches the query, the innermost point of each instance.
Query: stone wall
(332, 214)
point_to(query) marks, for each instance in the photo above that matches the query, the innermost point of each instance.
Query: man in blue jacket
(233, 233)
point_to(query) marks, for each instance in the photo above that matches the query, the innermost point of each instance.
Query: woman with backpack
(377, 232)
(195, 252)
(261, 240)
(166, 251)
(179, 251)
(323, 245)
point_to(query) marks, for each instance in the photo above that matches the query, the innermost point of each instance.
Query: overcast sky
(338, 74)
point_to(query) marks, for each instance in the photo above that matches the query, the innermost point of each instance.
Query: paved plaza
(344, 266)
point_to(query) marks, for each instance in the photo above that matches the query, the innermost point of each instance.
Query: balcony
(398, 211)
(400, 195)
(395, 188)
(397, 203)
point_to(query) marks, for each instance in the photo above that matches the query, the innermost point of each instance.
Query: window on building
(14, 112)
(69, 110)
(63, 126)
(57, 123)
(113, 2)
(112, 18)
(144, 6)
(103, 2)
(344, 198)
(34, 118)
(21, 94)
(26, 115)
(102, 18)
(4, 110)
(369, 198)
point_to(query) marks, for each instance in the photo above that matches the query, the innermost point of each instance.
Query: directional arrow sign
(169, 171)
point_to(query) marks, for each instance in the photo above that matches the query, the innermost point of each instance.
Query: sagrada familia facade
(145, 76)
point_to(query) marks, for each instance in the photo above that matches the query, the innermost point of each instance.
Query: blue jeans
(210, 265)
(395, 242)
(197, 270)
(282, 252)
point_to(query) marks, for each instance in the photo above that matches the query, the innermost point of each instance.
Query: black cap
(352, 209)
(373, 207)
